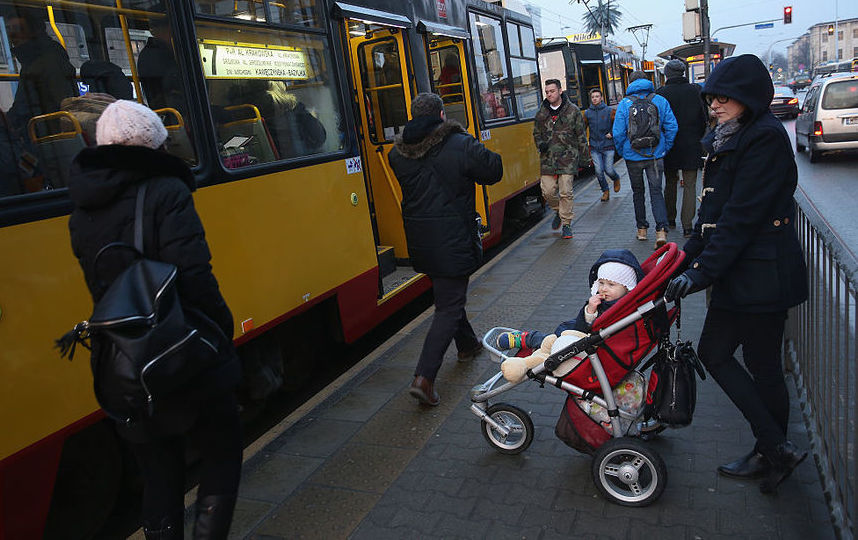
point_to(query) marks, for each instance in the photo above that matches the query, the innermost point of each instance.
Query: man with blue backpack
(644, 129)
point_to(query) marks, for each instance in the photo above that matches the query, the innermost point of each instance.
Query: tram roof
(694, 49)
(370, 15)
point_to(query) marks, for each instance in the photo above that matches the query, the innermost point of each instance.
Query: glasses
(720, 99)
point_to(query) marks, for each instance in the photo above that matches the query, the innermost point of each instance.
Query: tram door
(383, 95)
(449, 76)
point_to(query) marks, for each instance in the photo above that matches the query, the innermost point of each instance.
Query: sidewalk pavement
(363, 460)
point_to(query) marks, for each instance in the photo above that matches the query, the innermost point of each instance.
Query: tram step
(386, 260)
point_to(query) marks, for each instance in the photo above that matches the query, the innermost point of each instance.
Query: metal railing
(821, 344)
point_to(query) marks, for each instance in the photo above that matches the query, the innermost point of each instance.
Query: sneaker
(606, 196)
(555, 223)
(567, 231)
(641, 234)
(616, 185)
(660, 238)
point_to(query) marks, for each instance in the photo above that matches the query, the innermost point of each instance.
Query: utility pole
(704, 23)
(644, 39)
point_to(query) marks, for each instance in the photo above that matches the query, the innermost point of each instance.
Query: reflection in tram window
(272, 95)
(447, 82)
(298, 12)
(525, 78)
(57, 78)
(246, 10)
(490, 64)
(384, 99)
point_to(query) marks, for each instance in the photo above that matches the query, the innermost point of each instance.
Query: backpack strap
(138, 217)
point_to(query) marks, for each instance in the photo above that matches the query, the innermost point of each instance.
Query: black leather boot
(167, 529)
(752, 465)
(784, 459)
(214, 516)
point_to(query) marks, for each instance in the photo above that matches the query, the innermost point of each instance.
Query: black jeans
(760, 393)
(216, 434)
(449, 323)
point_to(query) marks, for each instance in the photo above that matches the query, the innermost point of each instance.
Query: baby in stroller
(624, 320)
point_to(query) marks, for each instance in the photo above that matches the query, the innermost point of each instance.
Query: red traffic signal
(787, 14)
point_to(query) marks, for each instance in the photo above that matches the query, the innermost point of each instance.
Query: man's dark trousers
(760, 393)
(449, 323)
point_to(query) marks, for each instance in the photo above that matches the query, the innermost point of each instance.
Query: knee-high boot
(214, 516)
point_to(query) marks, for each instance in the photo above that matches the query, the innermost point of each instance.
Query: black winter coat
(744, 242)
(436, 165)
(103, 188)
(690, 112)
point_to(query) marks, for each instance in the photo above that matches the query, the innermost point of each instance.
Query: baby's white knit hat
(618, 273)
(130, 124)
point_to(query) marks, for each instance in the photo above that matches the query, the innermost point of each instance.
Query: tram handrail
(820, 341)
(379, 150)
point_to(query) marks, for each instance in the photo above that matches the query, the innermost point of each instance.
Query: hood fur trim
(420, 149)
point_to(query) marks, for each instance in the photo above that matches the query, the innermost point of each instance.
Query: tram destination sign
(230, 60)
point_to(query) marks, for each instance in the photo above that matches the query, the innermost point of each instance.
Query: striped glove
(511, 340)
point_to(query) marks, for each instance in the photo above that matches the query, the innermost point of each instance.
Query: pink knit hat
(130, 124)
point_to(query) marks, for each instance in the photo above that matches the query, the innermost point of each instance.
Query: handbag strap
(138, 217)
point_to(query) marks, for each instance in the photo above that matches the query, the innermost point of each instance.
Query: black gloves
(679, 287)
(543, 148)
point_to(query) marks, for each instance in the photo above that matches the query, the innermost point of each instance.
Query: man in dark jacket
(745, 247)
(103, 187)
(558, 132)
(436, 163)
(599, 120)
(686, 153)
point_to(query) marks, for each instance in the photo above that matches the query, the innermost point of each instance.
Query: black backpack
(644, 129)
(145, 346)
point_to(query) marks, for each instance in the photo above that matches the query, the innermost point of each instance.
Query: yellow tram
(285, 109)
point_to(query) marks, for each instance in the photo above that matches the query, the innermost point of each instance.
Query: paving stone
(246, 516)
(318, 437)
(272, 477)
(363, 467)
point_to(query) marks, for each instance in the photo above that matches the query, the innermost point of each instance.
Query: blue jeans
(603, 163)
(654, 169)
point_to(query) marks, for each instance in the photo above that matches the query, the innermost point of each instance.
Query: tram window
(272, 93)
(384, 93)
(525, 78)
(491, 70)
(447, 82)
(297, 12)
(514, 39)
(528, 44)
(246, 10)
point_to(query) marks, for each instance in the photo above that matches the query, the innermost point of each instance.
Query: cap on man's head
(637, 74)
(427, 104)
(129, 123)
(674, 68)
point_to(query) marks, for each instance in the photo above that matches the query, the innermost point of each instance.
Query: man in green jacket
(558, 131)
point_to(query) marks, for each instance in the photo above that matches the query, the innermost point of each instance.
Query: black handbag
(145, 346)
(672, 390)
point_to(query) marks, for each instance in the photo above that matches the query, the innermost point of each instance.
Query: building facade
(824, 42)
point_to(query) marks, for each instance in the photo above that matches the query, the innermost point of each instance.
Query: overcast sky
(666, 18)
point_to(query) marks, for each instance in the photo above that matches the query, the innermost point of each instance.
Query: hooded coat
(691, 116)
(667, 121)
(103, 188)
(560, 137)
(600, 120)
(436, 164)
(533, 340)
(744, 243)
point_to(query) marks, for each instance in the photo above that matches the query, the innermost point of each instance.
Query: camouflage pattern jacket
(560, 137)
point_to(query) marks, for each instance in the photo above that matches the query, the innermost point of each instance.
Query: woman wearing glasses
(745, 247)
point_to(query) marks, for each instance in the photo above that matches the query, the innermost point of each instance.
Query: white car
(828, 119)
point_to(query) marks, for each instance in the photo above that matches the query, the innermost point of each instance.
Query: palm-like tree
(602, 18)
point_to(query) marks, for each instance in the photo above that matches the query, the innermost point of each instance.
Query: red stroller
(624, 469)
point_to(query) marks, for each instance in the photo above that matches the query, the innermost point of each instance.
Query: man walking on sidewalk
(436, 163)
(644, 128)
(599, 119)
(558, 132)
(686, 153)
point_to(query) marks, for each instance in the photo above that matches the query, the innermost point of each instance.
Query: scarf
(724, 131)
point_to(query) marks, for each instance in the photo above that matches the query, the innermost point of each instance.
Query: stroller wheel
(628, 473)
(515, 420)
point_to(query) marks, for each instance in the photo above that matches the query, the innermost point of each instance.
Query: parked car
(799, 81)
(784, 102)
(828, 119)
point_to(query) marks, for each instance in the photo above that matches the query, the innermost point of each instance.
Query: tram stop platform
(363, 460)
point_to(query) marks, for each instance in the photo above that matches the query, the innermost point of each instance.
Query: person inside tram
(46, 75)
(158, 70)
(451, 73)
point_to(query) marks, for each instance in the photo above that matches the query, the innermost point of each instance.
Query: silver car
(828, 119)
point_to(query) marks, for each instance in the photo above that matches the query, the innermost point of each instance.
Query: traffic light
(830, 29)
(771, 67)
(787, 14)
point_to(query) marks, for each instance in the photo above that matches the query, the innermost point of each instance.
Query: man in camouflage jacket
(558, 131)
